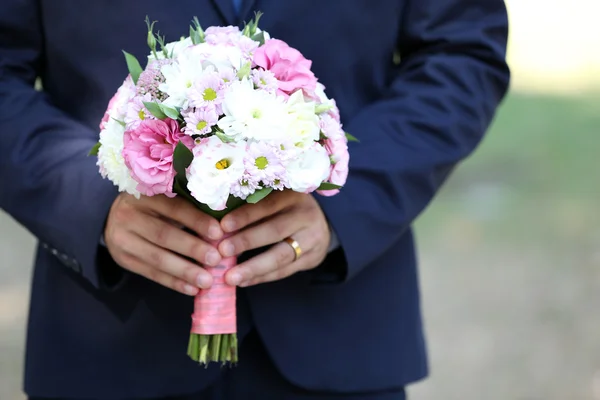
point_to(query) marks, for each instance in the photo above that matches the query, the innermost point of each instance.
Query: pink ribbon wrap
(215, 308)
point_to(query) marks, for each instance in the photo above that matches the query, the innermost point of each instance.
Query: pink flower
(288, 65)
(199, 121)
(262, 162)
(148, 153)
(336, 145)
(264, 80)
(137, 112)
(208, 92)
(223, 35)
(124, 93)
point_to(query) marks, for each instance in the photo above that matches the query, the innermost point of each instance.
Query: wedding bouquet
(222, 117)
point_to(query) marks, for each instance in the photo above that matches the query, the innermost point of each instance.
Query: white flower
(110, 158)
(222, 57)
(173, 48)
(320, 93)
(215, 168)
(308, 169)
(253, 113)
(180, 77)
(304, 125)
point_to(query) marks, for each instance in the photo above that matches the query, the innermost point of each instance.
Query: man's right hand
(143, 237)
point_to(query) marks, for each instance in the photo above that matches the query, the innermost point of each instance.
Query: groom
(328, 290)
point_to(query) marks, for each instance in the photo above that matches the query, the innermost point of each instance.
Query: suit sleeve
(47, 181)
(451, 78)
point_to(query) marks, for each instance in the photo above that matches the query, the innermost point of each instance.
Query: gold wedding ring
(295, 246)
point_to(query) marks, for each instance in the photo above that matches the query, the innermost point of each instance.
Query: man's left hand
(281, 215)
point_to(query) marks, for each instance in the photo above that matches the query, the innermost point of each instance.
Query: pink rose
(336, 145)
(148, 153)
(288, 65)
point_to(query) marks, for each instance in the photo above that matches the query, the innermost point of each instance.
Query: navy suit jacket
(95, 331)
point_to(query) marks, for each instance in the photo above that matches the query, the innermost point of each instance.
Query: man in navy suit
(109, 315)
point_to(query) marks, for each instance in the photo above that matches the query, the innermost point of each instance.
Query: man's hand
(142, 237)
(280, 215)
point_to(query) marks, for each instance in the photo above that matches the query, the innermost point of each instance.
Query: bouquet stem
(213, 336)
(221, 348)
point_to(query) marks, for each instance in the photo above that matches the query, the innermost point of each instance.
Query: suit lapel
(225, 8)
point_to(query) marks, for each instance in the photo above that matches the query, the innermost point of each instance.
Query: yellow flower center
(209, 94)
(142, 115)
(223, 164)
(261, 162)
(201, 125)
(256, 114)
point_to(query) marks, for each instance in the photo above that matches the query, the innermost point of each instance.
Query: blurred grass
(537, 170)
(510, 253)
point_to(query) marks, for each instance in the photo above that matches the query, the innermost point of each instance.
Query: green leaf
(135, 69)
(196, 32)
(321, 108)
(95, 149)
(224, 138)
(351, 138)
(155, 109)
(245, 70)
(122, 123)
(259, 37)
(259, 195)
(182, 158)
(328, 186)
(170, 112)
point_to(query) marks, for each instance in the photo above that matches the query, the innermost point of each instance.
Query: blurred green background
(510, 249)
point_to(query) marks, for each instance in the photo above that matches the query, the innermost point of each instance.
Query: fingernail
(229, 225)
(235, 279)
(203, 281)
(189, 289)
(214, 232)
(228, 249)
(212, 258)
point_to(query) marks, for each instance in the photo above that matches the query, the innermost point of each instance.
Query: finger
(160, 260)
(185, 214)
(271, 261)
(168, 236)
(251, 213)
(273, 276)
(141, 268)
(267, 232)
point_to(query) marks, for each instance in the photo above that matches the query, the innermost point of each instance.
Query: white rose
(308, 169)
(215, 168)
(110, 158)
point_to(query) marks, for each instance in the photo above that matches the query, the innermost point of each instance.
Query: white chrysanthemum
(308, 169)
(215, 168)
(304, 124)
(180, 77)
(174, 49)
(253, 113)
(110, 158)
